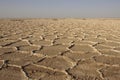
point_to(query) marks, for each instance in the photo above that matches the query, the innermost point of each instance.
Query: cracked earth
(60, 49)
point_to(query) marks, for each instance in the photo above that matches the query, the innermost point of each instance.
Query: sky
(59, 8)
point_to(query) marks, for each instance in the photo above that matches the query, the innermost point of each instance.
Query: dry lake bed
(59, 49)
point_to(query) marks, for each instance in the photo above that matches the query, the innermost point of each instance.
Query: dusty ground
(60, 49)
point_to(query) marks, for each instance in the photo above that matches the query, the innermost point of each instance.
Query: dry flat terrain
(59, 49)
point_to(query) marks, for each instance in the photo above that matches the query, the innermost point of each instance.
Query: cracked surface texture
(60, 49)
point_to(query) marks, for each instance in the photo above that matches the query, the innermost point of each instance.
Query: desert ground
(59, 49)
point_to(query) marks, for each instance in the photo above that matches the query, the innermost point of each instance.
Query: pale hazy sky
(59, 8)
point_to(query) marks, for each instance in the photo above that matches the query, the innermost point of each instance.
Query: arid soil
(59, 49)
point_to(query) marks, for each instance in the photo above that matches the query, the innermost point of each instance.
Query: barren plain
(60, 49)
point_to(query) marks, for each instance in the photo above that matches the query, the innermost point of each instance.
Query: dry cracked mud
(59, 49)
